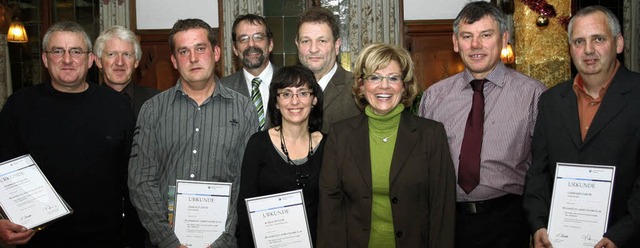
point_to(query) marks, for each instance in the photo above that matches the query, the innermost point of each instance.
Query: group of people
(474, 168)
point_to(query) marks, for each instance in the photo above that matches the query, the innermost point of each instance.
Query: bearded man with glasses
(80, 136)
(252, 44)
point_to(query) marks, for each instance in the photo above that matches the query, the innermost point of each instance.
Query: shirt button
(197, 129)
(194, 151)
(192, 176)
(198, 108)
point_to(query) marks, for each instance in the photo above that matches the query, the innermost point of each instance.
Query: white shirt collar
(324, 81)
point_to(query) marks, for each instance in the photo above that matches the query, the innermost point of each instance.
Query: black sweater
(81, 142)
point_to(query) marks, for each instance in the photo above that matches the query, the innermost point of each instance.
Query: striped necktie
(256, 98)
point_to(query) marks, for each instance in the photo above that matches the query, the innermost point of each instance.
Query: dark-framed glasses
(256, 38)
(73, 52)
(301, 95)
(376, 79)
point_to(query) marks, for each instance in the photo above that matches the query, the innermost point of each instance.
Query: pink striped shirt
(511, 102)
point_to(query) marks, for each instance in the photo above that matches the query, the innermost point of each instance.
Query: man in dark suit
(592, 119)
(118, 54)
(318, 43)
(252, 44)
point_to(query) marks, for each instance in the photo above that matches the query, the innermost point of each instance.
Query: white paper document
(200, 211)
(279, 220)
(26, 196)
(580, 204)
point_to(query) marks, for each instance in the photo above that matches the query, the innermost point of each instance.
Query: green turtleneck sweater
(381, 128)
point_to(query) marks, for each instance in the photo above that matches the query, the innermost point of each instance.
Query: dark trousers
(495, 223)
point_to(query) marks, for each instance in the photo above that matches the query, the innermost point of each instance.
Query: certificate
(580, 204)
(26, 196)
(200, 211)
(279, 220)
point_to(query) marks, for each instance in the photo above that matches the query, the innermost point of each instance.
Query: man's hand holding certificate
(26, 196)
(580, 204)
(200, 211)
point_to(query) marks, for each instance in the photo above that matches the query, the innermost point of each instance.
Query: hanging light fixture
(507, 55)
(16, 33)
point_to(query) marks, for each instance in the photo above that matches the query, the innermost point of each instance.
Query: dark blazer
(339, 103)
(613, 139)
(422, 185)
(140, 95)
(237, 82)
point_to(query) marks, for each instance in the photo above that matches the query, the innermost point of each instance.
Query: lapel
(335, 87)
(613, 102)
(359, 147)
(405, 142)
(242, 84)
(569, 111)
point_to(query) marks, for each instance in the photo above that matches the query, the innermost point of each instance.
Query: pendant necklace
(302, 174)
(283, 146)
(384, 139)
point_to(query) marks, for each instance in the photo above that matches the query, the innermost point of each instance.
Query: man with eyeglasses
(252, 44)
(489, 112)
(197, 130)
(80, 136)
(118, 55)
(318, 42)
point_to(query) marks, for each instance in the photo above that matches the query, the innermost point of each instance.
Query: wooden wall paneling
(155, 69)
(431, 48)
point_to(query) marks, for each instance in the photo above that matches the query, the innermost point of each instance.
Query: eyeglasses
(73, 52)
(301, 95)
(256, 38)
(376, 79)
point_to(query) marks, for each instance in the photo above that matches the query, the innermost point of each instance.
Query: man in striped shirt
(196, 130)
(489, 210)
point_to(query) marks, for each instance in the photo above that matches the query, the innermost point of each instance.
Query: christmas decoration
(542, 21)
(546, 11)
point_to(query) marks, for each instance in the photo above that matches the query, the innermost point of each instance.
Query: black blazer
(613, 139)
(421, 189)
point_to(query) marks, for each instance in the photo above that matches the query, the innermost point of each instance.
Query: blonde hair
(378, 56)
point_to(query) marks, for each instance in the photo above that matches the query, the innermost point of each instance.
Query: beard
(253, 64)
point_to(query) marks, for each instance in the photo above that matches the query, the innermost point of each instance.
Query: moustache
(253, 50)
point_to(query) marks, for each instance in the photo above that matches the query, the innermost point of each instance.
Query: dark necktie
(469, 167)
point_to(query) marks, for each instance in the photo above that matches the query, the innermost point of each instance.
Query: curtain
(114, 12)
(5, 71)
(631, 31)
(371, 21)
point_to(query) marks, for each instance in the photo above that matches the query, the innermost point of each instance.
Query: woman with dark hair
(288, 155)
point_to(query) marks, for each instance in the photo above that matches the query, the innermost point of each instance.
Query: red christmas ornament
(541, 7)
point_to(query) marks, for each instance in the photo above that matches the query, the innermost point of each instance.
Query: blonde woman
(387, 178)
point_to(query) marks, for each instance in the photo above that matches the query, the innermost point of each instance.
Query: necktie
(469, 167)
(256, 98)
